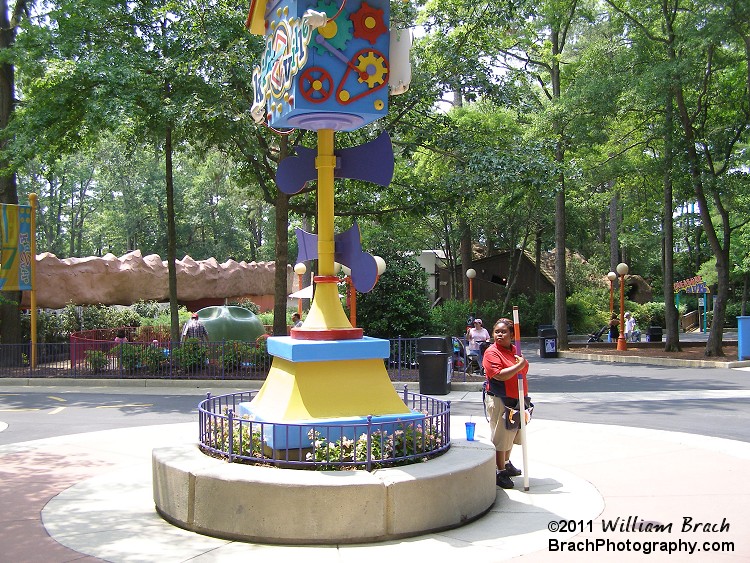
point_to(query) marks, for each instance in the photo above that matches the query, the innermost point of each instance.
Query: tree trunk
(713, 345)
(671, 315)
(282, 251)
(561, 313)
(538, 260)
(721, 252)
(10, 315)
(466, 255)
(171, 241)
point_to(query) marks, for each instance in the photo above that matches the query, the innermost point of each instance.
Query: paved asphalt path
(708, 401)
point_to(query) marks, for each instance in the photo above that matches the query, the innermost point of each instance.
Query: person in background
(296, 320)
(629, 326)
(614, 329)
(194, 329)
(475, 337)
(120, 336)
(501, 368)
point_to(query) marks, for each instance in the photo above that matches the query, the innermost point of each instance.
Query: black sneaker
(512, 470)
(502, 479)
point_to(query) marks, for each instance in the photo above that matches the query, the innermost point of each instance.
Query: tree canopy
(615, 129)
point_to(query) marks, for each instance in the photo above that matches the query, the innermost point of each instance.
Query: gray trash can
(434, 354)
(547, 342)
(654, 334)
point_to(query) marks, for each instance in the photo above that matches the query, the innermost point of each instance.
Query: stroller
(459, 355)
(597, 336)
(472, 359)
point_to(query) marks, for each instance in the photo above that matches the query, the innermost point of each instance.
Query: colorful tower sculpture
(326, 68)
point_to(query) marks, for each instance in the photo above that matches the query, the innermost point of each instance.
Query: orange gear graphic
(368, 23)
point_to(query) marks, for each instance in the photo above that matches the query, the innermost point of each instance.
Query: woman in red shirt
(501, 367)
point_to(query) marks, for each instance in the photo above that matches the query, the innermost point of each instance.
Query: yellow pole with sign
(32, 294)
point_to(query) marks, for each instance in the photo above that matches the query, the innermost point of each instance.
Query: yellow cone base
(342, 388)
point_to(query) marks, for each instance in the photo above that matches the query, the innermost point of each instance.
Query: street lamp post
(471, 273)
(299, 269)
(611, 277)
(622, 270)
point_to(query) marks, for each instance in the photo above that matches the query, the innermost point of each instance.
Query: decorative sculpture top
(325, 66)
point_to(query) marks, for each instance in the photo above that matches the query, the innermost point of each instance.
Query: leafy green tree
(709, 85)
(11, 17)
(398, 305)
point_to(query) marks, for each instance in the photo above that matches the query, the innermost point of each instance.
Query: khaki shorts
(502, 438)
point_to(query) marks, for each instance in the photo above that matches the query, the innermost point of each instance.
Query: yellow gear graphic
(374, 67)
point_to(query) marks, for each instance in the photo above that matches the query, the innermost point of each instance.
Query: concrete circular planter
(293, 506)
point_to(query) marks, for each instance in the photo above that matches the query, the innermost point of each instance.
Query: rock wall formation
(110, 280)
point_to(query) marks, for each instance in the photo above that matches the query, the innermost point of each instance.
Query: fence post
(369, 442)
(220, 358)
(398, 343)
(447, 421)
(230, 418)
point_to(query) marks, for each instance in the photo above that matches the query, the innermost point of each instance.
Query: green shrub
(259, 352)
(734, 310)
(398, 304)
(247, 304)
(153, 358)
(266, 319)
(96, 360)
(243, 441)
(234, 353)
(648, 314)
(450, 317)
(407, 439)
(147, 309)
(587, 311)
(129, 356)
(191, 354)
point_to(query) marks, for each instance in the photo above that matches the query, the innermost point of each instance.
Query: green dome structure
(230, 323)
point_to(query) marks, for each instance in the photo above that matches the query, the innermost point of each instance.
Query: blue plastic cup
(470, 426)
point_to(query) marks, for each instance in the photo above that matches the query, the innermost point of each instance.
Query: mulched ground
(690, 350)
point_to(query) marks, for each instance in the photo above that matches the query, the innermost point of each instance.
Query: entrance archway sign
(695, 286)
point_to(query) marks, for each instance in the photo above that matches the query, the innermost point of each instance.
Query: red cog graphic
(315, 84)
(368, 23)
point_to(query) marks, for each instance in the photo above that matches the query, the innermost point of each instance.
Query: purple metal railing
(222, 433)
(96, 357)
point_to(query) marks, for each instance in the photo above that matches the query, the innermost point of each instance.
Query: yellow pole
(325, 163)
(326, 313)
(32, 294)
